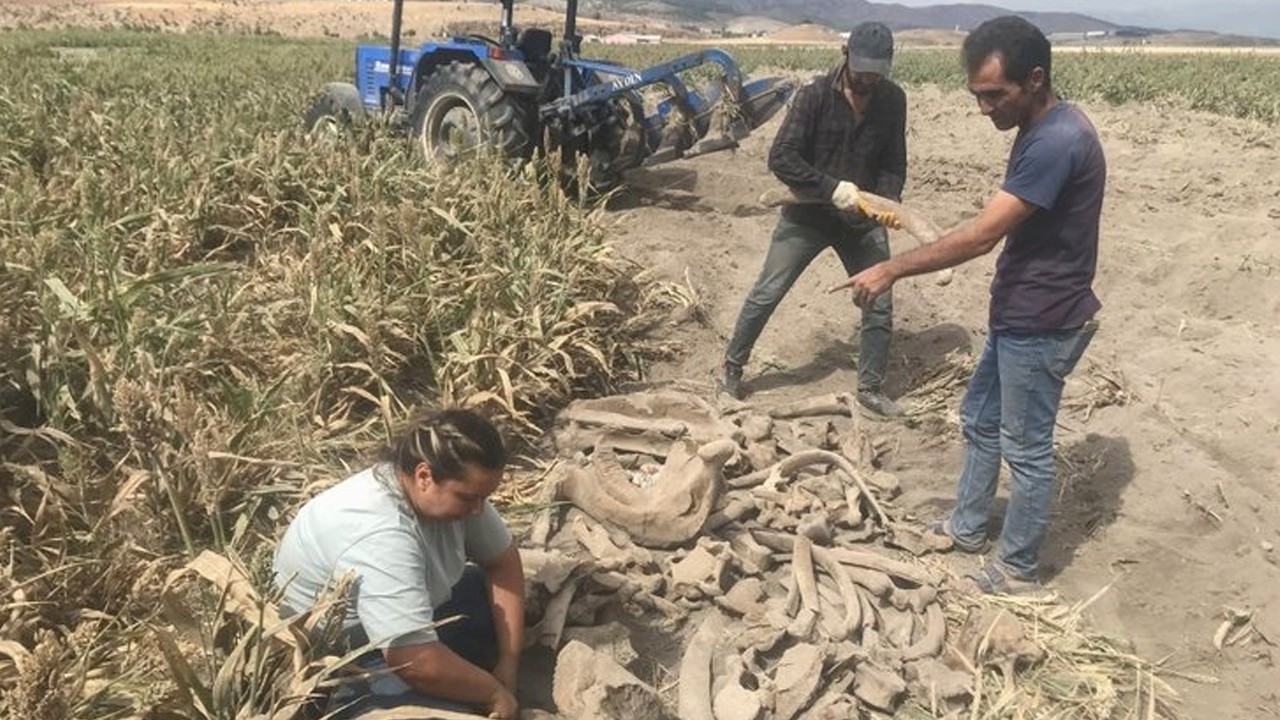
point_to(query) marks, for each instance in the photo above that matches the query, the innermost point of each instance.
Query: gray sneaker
(879, 403)
(731, 380)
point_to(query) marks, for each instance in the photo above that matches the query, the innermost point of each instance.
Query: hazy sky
(1250, 17)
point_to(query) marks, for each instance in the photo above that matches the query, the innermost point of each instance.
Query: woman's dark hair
(447, 441)
(1021, 46)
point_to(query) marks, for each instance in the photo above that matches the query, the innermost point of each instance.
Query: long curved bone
(668, 513)
(930, 643)
(907, 572)
(848, 592)
(806, 458)
(882, 210)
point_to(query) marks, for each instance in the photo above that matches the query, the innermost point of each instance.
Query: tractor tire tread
(507, 120)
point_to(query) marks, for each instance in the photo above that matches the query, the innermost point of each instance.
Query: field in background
(1242, 84)
(305, 18)
(207, 312)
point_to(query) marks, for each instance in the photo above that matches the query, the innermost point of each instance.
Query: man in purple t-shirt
(1042, 300)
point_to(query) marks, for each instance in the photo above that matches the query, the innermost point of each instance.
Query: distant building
(631, 39)
(1077, 36)
(1098, 35)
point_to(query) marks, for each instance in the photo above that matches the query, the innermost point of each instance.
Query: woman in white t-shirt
(404, 530)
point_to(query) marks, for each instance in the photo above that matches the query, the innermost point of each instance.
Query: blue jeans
(797, 240)
(1010, 410)
(472, 637)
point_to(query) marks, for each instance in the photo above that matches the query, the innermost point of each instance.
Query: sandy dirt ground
(1169, 443)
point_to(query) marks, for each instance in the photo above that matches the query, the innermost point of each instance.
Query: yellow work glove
(887, 218)
(845, 196)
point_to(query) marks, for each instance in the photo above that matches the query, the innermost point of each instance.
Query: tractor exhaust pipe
(507, 27)
(570, 45)
(397, 14)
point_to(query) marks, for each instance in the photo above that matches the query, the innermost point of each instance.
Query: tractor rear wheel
(614, 145)
(461, 109)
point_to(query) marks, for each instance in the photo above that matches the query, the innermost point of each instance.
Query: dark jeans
(471, 636)
(1010, 410)
(797, 240)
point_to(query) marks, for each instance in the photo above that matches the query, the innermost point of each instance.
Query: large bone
(784, 542)
(644, 422)
(931, 642)
(608, 555)
(585, 439)
(874, 561)
(804, 459)
(880, 209)
(589, 685)
(833, 404)
(694, 699)
(743, 597)
(671, 511)
(831, 705)
(548, 568)
(733, 511)
(782, 468)
(735, 702)
(628, 589)
(854, 515)
(613, 639)
(916, 599)
(806, 581)
(704, 572)
(848, 593)
(797, 678)
(879, 687)
(877, 583)
(670, 428)
(755, 558)
(551, 627)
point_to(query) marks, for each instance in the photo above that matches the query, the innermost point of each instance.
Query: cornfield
(208, 312)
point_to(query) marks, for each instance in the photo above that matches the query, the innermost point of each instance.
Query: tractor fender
(513, 76)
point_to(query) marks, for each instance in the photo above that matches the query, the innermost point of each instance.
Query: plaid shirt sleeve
(794, 144)
(893, 161)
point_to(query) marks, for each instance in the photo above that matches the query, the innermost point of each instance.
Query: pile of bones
(768, 540)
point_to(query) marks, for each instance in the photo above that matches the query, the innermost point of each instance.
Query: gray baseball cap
(870, 48)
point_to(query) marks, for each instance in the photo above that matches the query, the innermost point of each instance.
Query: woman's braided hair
(447, 441)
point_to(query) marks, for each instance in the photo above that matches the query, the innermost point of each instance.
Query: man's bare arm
(979, 236)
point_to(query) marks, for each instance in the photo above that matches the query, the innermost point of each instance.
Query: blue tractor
(518, 93)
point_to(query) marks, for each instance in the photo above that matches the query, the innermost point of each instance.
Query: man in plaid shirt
(844, 131)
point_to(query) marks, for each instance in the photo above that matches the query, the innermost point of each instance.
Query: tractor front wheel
(461, 109)
(336, 106)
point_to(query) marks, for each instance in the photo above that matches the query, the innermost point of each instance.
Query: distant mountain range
(846, 13)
